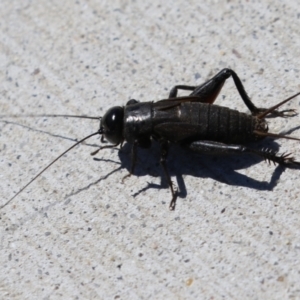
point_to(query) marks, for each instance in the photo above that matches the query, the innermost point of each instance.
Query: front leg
(133, 160)
(144, 142)
(164, 154)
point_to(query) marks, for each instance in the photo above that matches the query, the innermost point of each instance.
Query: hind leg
(216, 148)
(208, 92)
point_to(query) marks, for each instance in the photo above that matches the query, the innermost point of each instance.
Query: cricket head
(111, 125)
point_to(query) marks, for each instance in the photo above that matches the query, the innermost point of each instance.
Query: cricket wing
(178, 132)
(173, 102)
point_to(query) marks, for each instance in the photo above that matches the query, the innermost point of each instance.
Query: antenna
(48, 166)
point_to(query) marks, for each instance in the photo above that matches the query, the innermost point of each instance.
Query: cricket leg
(164, 154)
(174, 90)
(133, 160)
(208, 92)
(216, 148)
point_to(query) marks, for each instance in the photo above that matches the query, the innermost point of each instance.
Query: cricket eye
(132, 101)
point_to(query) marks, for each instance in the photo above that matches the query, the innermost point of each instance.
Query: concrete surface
(77, 232)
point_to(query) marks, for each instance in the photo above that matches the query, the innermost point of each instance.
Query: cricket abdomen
(218, 123)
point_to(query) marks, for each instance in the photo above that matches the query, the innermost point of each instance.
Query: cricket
(194, 122)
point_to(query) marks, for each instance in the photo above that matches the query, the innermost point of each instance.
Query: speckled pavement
(78, 232)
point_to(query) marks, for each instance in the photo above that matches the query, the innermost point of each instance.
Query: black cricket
(193, 122)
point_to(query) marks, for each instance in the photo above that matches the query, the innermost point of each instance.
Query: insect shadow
(182, 162)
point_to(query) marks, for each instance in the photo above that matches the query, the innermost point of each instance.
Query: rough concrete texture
(77, 232)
